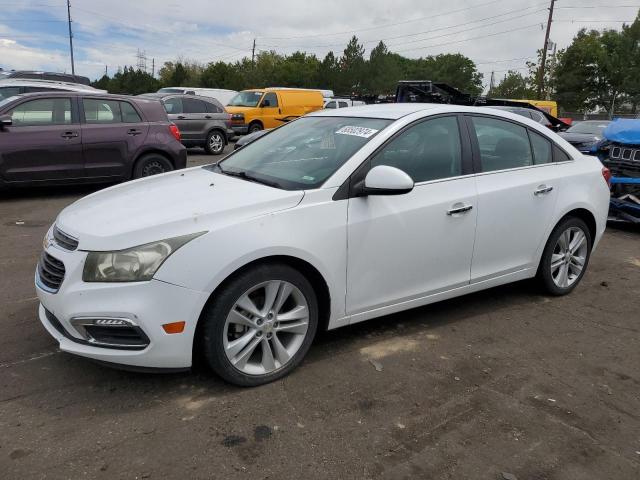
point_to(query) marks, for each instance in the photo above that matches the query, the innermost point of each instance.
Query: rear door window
(502, 144)
(542, 152)
(192, 105)
(129, 114)
(173, 105)
(343, 104)
(101, 111)
(331, 104)
(44, 111)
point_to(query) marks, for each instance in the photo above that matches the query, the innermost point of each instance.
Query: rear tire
(260, 325)
(151, 164)
(215, 143)
(565, 257)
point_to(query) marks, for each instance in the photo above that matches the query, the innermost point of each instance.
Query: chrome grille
(63, 240)
(625, 153)
(50, 273)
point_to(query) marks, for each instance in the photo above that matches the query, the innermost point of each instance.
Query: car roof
(35, 82)
(175, 94)
(84, 93)
(391, 111)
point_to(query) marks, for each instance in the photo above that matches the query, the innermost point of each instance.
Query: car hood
(623, 130)
(580, 137)
(232, 110)
(168, 205)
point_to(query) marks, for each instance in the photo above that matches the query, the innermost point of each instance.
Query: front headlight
(135, 264)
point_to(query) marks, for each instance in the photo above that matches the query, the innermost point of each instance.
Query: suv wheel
(260, 326)
(565, 257)
(151, 164)
(215, 143)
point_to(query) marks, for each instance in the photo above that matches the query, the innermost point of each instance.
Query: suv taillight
(175, 131)
(606, 174)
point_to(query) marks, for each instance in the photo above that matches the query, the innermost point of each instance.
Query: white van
(220, 94)
(341, 103)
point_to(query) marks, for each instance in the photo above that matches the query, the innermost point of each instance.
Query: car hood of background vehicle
(580, 137)
(165, 206)
(623, 130)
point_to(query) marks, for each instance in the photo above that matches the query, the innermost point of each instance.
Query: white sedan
(335, 218)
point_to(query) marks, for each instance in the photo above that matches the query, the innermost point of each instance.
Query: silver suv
(203, 121)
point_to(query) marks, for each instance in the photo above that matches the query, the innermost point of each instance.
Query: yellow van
(548, 106)
(258, 109)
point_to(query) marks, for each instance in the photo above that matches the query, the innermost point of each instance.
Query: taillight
(175, 131)
(606, 174)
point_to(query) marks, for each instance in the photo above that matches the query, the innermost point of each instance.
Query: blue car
(619, 151)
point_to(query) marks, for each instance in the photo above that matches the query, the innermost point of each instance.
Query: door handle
(542, 190)
(461, 209)
(208, 117)
(180, 117)
(134, 132)
(69, 134)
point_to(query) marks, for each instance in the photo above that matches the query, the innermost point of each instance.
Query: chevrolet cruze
(335, 218)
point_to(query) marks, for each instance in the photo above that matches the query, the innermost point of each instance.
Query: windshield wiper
(245, 176)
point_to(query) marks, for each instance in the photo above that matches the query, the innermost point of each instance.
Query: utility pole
(73, 67)
(253, 52)
(153, 67)
(491, 84)
(544, 51)
(106, 71)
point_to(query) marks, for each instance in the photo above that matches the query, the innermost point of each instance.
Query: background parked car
(16, 86)
(220, 94)
(341, 103)
(203, 121)
(73, 137)
(247, 139)
(253, 110)
(525, 112)
(585, 135)
(33, 75)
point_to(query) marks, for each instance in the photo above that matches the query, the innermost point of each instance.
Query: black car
(531, 113)
(73, 137)
(203, 121)
(585, 135)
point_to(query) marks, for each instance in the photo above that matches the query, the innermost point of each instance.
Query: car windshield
(302, 154)
(591, 128)
(245, 99)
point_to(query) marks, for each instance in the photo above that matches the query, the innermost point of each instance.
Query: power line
(429, 31)
(429, 17)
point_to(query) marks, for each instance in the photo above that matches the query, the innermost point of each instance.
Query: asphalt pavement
(506, 383)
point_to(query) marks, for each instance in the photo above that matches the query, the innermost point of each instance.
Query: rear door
(112, 133)
(195, 121)
(43, 143)
(517, 191)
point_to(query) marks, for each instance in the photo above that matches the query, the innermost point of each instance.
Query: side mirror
(265, 103)
(386, 180)
(5, 121)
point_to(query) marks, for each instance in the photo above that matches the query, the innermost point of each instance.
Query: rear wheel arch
(583, 214)
(220, 131)
(146, 153)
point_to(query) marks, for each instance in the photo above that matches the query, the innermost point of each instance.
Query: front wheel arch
(312, 274)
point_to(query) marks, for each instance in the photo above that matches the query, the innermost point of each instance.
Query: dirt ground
(502, 384)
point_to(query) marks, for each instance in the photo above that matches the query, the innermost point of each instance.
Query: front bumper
(147, 305)
(240, 129)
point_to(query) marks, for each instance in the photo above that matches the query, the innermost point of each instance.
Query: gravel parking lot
(499, 383)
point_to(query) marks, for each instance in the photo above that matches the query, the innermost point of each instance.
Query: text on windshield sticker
(363, 132)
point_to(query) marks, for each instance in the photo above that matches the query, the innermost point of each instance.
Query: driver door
(404, 247)
(270, 110)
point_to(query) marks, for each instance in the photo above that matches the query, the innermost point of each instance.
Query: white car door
(517, 191)
(404, 247)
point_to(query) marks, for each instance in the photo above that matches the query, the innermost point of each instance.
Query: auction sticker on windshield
(363, 132)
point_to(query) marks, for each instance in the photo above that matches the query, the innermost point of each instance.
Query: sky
(497, 34)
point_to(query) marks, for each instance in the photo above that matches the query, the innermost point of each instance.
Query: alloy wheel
(569, 257)
(216, 144)
(265, 328)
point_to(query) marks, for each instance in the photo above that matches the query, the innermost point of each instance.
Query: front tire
(151, 164)
(255, 127)
(215, 143)
(565, 257)
(260, 326)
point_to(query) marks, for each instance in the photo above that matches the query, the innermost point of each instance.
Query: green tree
(383, 71)
(352, 68)
(328, 72)
(131, 81)
(222, 75)
(513, 85)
